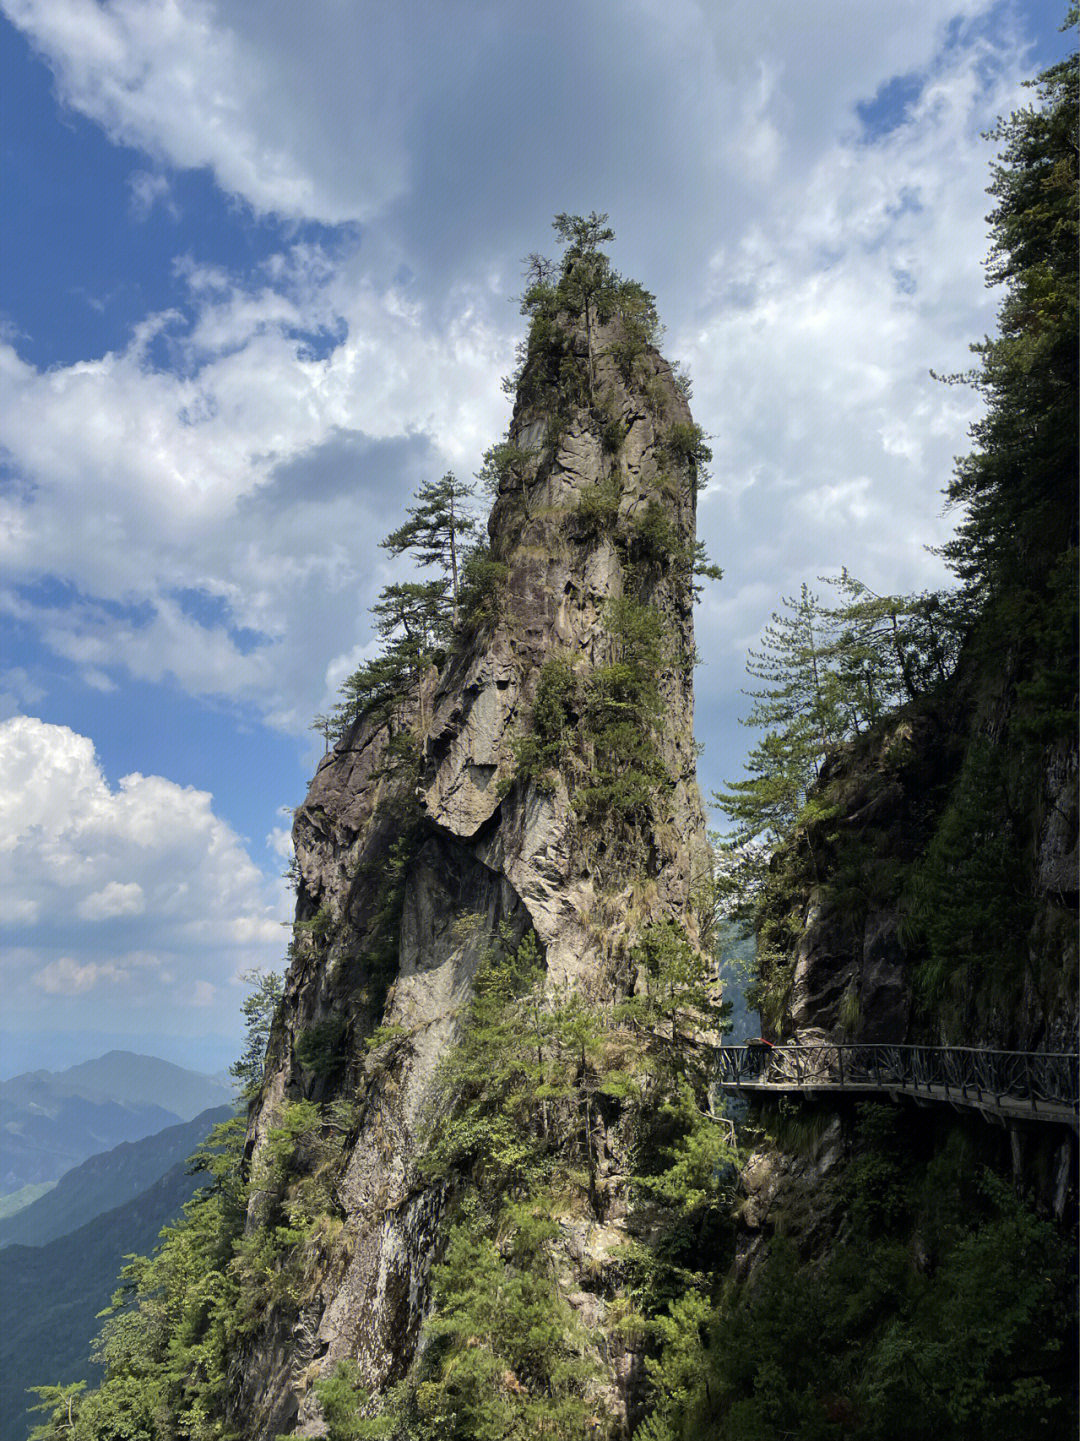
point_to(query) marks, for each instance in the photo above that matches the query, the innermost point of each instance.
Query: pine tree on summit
(586, 271)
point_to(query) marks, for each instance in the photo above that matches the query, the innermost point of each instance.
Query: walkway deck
(1026, 1085)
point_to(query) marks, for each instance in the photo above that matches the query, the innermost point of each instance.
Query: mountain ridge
(106, 1180)
(51, 1121)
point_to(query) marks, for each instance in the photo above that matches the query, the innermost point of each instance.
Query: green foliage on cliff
(540, 751)
(260, 1007)
(584, 289)
(321, 1048)
(621, 712)
(418, 621)
(278, 1263)
(343, 1396)
(684, 441)
(438, 526)
(967, 896)
(181, 1315)
(972, 899)
(600, 725)
(829, 674)
(506, 1349)
(942, 1307)
(1017, 487)
(518, 1139)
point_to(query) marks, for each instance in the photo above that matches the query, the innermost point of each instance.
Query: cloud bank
(137, 899)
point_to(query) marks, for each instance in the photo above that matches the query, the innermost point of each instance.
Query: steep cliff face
(935, 903)
(422, 837)
(938, 900)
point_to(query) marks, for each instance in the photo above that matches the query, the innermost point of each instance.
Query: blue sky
(258, 271)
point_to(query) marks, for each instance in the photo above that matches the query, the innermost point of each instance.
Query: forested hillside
(52, 1295)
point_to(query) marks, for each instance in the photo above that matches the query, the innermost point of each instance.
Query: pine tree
(588, 282)
(416, 619)
(1018, 486)
(883, 650)
(260, 1006)
(800, 711)
(436, 529)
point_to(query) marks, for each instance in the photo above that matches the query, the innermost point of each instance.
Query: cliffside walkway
(1029, 1085)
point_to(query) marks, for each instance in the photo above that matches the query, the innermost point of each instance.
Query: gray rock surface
(493, 852)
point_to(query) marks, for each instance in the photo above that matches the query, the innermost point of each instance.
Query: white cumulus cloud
(66, 977)
(815, 249)
(185, 81)
(176, 907)
(118, 898)
(252, 478)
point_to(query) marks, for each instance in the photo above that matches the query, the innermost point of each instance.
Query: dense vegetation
(518, 1136)
(531, 1099)
(910, 1295)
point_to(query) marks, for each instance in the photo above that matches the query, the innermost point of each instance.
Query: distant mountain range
(14, 1201)
(106, 1181)
(51, 1121)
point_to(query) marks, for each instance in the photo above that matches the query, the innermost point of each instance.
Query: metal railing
(1036, 1083)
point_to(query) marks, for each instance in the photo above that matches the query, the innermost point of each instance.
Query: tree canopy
(1017, 487)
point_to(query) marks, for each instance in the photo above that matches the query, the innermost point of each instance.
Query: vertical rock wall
(480, 844)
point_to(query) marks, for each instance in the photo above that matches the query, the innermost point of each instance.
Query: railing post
(840, 1055)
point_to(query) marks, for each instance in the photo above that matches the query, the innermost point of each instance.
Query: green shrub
(654, 536)
(612, 431)
(968, 897)
(321, 1048)
(483, 586)
(684, 441)
(342, 1396)
(598, 507)
(543, 748)
(504, 464)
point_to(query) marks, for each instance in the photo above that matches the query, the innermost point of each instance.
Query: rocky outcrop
(410, 860)
(852, 975)
(853, 880)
